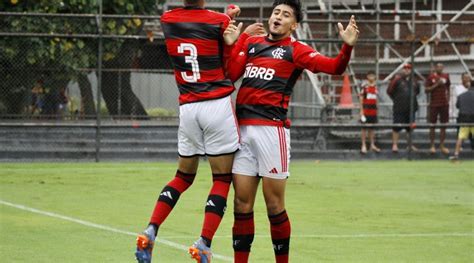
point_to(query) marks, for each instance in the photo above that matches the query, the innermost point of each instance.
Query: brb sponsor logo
(259, 72)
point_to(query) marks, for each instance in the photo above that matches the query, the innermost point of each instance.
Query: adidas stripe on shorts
(208, 128)
(264, 151)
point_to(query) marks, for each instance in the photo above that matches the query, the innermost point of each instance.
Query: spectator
(368, 111)
(63, 102)
(460, 89)
(465, 104)
(399, 92)
(37, 97)
(437, 87)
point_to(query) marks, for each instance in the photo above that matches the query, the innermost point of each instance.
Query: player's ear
(294, 26)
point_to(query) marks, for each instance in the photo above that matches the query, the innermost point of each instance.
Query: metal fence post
(410, 85)
(99, 85)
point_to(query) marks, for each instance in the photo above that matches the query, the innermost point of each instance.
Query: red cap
(408, 65)
(231, 6)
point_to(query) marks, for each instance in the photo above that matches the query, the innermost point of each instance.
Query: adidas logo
(210, 203)
(273, 171)
(167, 194)
(252, 51)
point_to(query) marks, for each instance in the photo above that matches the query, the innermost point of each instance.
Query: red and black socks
(243, 233)
(280, 229)
(169, 197)
(215, 206)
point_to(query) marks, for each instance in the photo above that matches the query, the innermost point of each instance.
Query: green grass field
(340, 212)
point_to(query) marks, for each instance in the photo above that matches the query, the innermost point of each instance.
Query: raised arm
(307, 58)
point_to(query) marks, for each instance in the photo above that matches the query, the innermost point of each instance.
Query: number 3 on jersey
(190, 59)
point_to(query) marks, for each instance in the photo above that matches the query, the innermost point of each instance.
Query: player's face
(282, 21)
(371, 77)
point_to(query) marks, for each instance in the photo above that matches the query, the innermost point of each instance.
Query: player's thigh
(221, 164)
(245, 190)
(274, 194)
(220, 128)
(272, 151)
(190, 135)
(188, 164)
(245, 160)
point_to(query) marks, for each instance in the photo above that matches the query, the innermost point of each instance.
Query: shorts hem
(245, 174)
(221, 154)
(281, 176)
(191, 156)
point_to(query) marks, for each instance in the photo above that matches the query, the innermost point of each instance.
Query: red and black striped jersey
(194, 42)
(270, 70)
(440, 95)
(369, 99)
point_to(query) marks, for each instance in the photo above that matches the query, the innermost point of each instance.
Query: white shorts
(208, 128)
(264, 151)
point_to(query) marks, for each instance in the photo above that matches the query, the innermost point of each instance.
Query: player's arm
(238, 59)
(308, 58)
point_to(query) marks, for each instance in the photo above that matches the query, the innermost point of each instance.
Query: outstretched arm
(307, 58)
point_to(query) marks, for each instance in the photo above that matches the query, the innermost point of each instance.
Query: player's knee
(274, 207)
(243, 205)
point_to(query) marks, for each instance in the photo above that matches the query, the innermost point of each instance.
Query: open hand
(232, 32)
(351, 33)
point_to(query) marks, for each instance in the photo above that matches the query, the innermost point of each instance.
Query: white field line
(104, 227)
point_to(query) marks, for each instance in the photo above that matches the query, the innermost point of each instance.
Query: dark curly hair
(295, 4)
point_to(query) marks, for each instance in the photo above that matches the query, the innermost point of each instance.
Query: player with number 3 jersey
(208, 125)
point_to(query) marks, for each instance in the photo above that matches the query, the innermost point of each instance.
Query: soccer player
(208, 126)
(270, 66)
(368, 111)
(437, 87)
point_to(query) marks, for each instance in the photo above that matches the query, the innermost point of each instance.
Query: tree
(58, 60)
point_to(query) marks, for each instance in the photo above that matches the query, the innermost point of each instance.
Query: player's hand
(232, 32)
(351, 33)
(233, 11)
(255, 29)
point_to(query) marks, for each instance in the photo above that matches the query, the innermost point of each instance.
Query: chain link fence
(80, 66)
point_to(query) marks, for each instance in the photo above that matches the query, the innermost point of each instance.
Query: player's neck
(278, 37)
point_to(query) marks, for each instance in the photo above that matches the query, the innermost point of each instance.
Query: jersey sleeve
(238, 59)
(305, 57)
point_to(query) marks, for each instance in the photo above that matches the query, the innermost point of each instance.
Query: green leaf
(130, 7)
(111, 24)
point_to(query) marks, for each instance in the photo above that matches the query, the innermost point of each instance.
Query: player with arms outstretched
(208, 126)
(270, 66)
